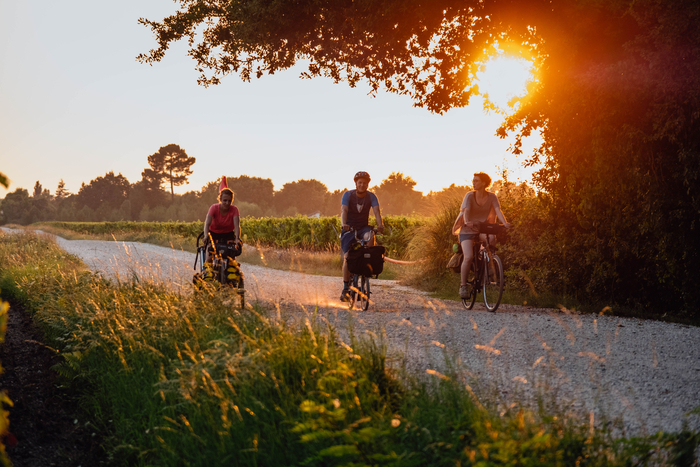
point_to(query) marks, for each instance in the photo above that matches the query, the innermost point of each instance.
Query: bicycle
(220, 267)
(486, 272)
(363, 262)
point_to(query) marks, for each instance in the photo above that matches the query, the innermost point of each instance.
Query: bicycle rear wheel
(493, 281)
(471, 280)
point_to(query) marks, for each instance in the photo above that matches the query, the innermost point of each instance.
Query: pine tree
(172, 163)
(61, 191)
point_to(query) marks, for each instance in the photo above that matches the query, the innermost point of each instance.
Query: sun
(504, 78)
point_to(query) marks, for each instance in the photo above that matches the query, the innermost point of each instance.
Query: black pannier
(366, 261)
(226, 249)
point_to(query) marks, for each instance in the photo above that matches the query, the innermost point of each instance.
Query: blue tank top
(359, 218)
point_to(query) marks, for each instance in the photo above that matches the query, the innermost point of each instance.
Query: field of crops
(317, 234)
(187, 379)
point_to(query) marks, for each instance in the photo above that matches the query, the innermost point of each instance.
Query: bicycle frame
(360, 284)
(488, 283)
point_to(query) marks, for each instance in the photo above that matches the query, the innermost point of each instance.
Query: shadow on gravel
(46, 421)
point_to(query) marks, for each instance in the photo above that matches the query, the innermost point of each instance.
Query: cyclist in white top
(478, 206)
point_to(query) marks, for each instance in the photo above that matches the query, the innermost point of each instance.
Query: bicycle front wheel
(352, 294)
(473, 286)
(223, 265)
(492, 282)
(363, 295)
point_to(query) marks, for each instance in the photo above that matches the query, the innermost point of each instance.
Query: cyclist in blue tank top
(354, 213)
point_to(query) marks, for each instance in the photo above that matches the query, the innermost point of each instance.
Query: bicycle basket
(366, 261)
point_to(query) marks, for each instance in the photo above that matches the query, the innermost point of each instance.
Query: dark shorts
(223, 237)
(348, 238)
(469, 236)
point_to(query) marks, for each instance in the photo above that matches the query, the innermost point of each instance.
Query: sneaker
(344, 295)
(464, 292)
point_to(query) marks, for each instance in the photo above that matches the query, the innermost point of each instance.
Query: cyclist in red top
(222, 223)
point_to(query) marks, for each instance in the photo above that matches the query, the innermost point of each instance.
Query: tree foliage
(61, 191)
(147, 191)
(107, 192)
(301, 196)
(16, 207)
(170, 164)
(397, 196)
(253, 190)
(37, 189)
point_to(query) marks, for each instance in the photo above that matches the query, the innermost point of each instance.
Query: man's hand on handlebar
(346, 228)
(380, 229)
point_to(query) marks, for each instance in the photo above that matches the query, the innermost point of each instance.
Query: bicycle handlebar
(206, 241)
(492, 229)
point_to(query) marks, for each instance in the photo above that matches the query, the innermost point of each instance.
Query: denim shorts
(467, 236)
(348, 238)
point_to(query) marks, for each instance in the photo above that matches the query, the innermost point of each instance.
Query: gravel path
(645, 373)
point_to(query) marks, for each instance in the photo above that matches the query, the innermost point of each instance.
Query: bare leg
(346, 273)
(468, 250)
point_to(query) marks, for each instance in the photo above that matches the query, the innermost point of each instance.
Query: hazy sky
(75, 104)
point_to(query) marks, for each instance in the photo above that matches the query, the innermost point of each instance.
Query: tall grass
(432, 244)
(176, 379)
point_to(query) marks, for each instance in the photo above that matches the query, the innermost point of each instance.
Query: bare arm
(344, 217)
(499, 214)
(237, 227)
(207, 223)
(465, 215)
(464, 212)
(378, 217)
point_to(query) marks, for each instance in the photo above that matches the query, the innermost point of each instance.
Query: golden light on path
(503, 78)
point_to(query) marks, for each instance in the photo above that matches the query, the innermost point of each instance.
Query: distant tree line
(112, 197)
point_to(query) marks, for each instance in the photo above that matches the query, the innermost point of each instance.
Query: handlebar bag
(366, 260)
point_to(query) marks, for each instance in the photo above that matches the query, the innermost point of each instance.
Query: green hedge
(299, 232)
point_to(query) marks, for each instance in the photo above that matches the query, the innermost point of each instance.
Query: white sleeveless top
(479, 212)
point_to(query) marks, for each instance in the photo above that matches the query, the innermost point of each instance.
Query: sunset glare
(503, 79)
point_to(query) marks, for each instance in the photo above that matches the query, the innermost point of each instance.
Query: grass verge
(188, 380)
